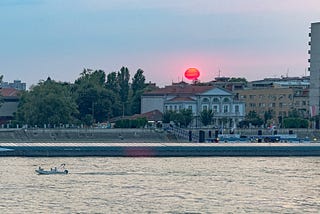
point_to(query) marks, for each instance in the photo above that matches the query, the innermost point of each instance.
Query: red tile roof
(154, 115)
(181, 99)
(9, 92)
(180, 89)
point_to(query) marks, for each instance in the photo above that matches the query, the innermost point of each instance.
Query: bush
(295, 123)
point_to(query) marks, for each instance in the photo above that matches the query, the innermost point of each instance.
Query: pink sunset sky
(249, 38)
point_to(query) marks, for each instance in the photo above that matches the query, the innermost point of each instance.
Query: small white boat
(55, 170)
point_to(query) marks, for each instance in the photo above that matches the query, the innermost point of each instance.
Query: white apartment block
(314, 96)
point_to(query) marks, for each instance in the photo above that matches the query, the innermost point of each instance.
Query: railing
(181, 133)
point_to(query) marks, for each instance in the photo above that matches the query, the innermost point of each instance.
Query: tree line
(94, 97)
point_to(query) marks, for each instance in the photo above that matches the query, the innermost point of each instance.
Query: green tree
(49, 102)
(187, 117)
(123, 79)
(206, 117)
(166, 117)
(182, 118)
(93, 98)
(138, 81)
(138, 86)
(294, 113)
(253, 118)
(268, 115)
(112, 82)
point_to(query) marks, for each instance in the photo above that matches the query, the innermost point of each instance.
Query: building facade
(16, 84)
(277, 99)
(314, 68)
(227, 109)
(9, 106)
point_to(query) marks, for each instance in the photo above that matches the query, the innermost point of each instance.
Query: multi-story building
(287, 82)
(196, 98)
(10, 104)
(277, 96)
(16, 84)
(314, 68)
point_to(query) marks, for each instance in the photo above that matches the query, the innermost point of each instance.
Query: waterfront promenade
(134, 143)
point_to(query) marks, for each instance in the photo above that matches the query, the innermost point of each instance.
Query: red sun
(192, 73)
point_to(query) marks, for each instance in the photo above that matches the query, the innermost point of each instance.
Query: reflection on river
(162, 185)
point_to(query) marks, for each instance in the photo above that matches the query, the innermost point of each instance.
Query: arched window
(205, 100)
(226, 100)
(205, 107)
(216, 100)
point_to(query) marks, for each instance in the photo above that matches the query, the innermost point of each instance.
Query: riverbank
(134, 143)
(83, 135)
(62, 149)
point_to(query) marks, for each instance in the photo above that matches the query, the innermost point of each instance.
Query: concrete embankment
(133, 143)
(82, 135)
(162, 150)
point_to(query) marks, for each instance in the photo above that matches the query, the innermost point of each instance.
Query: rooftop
(180, 89)
(9, 92)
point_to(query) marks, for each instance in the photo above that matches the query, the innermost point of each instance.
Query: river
(162, 185)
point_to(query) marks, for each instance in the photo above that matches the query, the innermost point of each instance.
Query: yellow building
(277, 100)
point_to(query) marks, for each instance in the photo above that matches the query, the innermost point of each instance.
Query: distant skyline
(249, 38)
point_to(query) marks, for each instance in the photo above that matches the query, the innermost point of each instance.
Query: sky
(254, 39)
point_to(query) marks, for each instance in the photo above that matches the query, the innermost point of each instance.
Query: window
(236, 109)
(205, 100)
(204, 107)
(252, 105)
(215, 108)
(225, 109)
(216, 100)
(226, 100)
(190, 107)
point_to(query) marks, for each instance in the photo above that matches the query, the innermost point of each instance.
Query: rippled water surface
(162, 185)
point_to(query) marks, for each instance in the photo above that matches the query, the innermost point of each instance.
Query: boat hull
(45, 172)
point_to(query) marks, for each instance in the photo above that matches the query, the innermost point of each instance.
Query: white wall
(151, 103)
